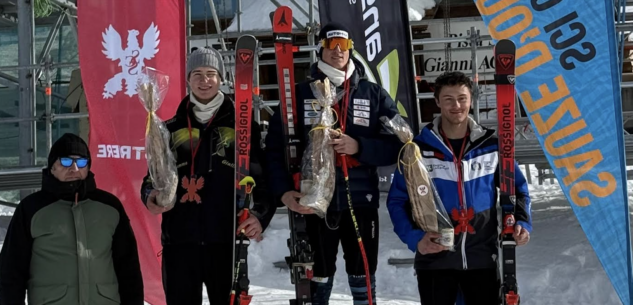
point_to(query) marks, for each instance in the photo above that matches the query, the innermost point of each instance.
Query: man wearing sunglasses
(70, 242)
(364, 143)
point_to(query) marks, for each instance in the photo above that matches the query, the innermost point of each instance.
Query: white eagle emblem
(131, 59)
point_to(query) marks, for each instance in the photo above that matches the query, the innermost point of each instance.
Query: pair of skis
(245, 52)
(300, 260)
(505, 52)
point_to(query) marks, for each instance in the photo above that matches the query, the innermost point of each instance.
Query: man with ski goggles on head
(70, 243)
(365, 145)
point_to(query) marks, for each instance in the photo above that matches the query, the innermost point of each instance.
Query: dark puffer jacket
(368, 102)
(70, 243)
(210, 221)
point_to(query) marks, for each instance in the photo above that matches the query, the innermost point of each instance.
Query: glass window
(63, 50)
(224, 9)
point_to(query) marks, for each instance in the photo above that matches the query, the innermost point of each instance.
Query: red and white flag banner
(116, 40)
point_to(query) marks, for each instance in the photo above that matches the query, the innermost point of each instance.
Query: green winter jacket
(70, 244)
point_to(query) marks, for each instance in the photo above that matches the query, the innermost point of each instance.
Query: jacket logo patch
(488, 165)
(363, 102)
(226, 137)
(312, 114)
(361, 114)
(363, 108)
(432, 167)
(361, 121)
(311, 121)
(312, 107)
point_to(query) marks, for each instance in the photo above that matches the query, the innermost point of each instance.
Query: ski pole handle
(296, 177)
(243, 218)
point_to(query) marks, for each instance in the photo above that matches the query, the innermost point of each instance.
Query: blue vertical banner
(568, 81)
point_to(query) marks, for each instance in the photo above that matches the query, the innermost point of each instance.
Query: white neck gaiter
(204, 112)
(336, 76)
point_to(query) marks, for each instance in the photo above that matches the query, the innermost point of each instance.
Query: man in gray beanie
(205, 57)
(198, 231)
(205, 74)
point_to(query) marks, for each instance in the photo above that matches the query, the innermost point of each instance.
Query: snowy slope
(255, 16)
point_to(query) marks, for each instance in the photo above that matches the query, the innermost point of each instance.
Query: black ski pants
(187, 266)
(440, 287)
(325, 238)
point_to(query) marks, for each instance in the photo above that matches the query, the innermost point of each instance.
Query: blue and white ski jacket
(471, 183)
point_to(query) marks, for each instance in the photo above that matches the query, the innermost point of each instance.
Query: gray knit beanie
(205, 57)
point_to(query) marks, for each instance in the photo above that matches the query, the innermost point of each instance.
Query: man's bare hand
(291, 200)
(153, 206)
(521, 235)
(345, 145)
(427, 246)
(251, 226)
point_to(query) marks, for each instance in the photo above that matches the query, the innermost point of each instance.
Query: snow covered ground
(557, 267)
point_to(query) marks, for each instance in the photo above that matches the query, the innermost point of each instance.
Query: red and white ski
(301, 259)
(505, 52)
(245, 52)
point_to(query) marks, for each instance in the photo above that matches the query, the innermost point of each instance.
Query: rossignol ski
(301, 259)
(245, 51)
(505, 52)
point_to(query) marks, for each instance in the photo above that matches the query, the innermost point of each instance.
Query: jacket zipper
(464, 260)
(203, 132)
(83, 268)
(462, 199)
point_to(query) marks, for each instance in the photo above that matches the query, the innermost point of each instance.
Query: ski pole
(360, 239)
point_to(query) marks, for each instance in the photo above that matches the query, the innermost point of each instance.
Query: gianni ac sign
(434, 62)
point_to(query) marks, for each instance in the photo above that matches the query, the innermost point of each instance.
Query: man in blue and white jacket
(462, 160)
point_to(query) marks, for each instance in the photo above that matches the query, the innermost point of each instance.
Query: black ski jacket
(212, 220)
(368, 102)
(70, 243)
